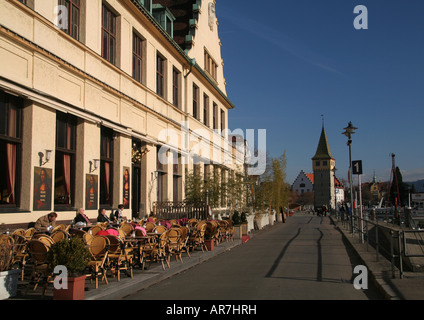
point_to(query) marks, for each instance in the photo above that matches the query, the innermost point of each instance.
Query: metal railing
(168, 210)
(394, 246)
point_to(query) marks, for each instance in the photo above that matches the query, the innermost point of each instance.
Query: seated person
(102, 217)
(44, 223)
(117, 216)
(81, 217)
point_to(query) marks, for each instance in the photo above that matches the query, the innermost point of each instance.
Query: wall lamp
(48, 156)
(94, 165)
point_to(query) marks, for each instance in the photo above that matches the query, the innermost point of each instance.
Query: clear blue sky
(288, 62)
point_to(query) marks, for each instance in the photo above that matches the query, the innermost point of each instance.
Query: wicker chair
(173, 245)
(46, 239)
(197, 238)
(20, 252)
(150, 227)
(29, 233)
(119, 258)
(95, 229)
(160, 229)
(98, 248)
(59, 235)
(184, 239)
(159, 252)
(20, 232)
(38, 251)
(127, 228)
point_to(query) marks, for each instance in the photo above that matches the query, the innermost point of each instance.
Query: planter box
(244, 229)
(237, 232)
(210, 244)
(75, 291)
(279, 217)
(271, 219)
(9, 283)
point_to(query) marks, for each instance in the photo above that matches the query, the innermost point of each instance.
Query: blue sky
(288, 62)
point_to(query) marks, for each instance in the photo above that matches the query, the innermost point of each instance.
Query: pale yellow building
(92, 91)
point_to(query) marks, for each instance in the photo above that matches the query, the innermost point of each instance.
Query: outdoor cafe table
(137, 244)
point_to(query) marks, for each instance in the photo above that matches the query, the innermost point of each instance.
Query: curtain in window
(67, 176)
(11, 171)
(107, 180)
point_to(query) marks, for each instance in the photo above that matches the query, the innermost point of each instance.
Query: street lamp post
(349, 130)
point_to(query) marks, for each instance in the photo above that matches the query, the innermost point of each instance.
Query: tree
(273, 191)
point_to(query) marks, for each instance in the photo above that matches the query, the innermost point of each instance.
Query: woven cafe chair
(160, 229)
(38, 251)
(150, 226)
(29, 233)
(197, 238)
(118, 258)
(20, 252)
(192, 223)
(60, 226)
(79, 233)
(224, 230)
(95, 229)
(59, 235)
(20, 232)
(159, 252)
(127, 228)
(86, 237)
(46, 239)
(212, 230)
(146, 250)
(173, 245)
(185, 233)
(98, 248)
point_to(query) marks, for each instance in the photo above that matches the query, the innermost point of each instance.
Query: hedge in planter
(8, 277)
(74, 255)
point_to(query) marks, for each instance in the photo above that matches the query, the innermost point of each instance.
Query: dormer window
(164, 17)
(147, 4)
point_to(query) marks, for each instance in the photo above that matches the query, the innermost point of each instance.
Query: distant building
(304, 183)
(323, 165)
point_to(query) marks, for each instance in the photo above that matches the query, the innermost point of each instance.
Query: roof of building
(323, 150)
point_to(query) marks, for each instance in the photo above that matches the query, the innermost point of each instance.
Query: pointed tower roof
(323, 150)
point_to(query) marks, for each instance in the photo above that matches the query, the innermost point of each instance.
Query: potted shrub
(237, 225)
(8, 277)
(243, 219)
(74, 255)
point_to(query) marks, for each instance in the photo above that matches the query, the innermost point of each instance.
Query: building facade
(108, 102)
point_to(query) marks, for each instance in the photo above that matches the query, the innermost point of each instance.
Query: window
(108, 35)
(10, 149)
(64, 178)
(161, 174)
(195, 101)
(223, 127)
(23, 1)
(176, 88)
(214, 116)
(106, 167)
(138, 58)
(160, 76)
(205, 110)
(211, 66)
(73, 15)
(177, 177)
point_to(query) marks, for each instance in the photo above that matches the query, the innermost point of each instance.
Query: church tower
(323, 165)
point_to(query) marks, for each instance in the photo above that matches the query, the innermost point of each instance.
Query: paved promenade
(409, 288)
